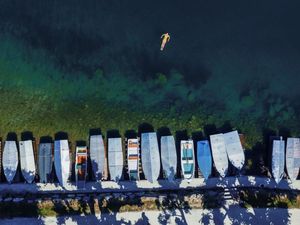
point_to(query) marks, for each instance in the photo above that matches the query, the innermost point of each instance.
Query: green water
(78, 65)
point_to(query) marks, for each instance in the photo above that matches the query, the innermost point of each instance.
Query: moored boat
(62, 161)
(187, 159)
(45, 160)
(204, 158)
(168, 156)
(293, 157)
(219, 153)
(278, 159)
(150, 156)
(97, 155)
(10, 160)
(27, 160)
(115, 158)
(81, 166)
(133, 158)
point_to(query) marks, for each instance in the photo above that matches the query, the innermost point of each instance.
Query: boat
(150, 156)
(97, 155)
(81, 166)
(168, 157)
(45, 162)
(204, 158)
(293, 157)
(278, 159)
(219, 154)
(115, 158)
(187, 159)
(133, 158)
(10, 160)
(27, 160)
(234, 149)
(62, 161)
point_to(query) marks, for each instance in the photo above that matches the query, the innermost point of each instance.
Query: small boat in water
(187, 159)
(133, 158)
(81, 166)
(235, 151)
(293, 157)
(204, 158)
(168, 156)
(97, 155)
(27, 160)
(10, 160)
(219, 153)
(45, 162)
(150, 156)
(115, 158)
(278, 159)
(62, 161)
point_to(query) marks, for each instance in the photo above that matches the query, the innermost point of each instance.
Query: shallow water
(77, 65)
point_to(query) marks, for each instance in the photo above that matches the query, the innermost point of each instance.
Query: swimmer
(166, 38)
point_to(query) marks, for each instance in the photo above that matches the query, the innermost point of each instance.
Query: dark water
(236, 60)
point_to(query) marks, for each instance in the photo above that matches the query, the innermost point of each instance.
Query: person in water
(165, 38)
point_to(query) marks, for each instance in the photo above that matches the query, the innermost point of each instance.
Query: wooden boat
(293, 157)
(27, 160)
(150, 156)
(115, 158)
(234, 149)
(81, 166)
(219, 153)
(97, 155)
(45, 162)
(10, 160)
(133, 158)
(62, 161)
(204, 158)
(187, 159)
(278, 159)
(168, 157)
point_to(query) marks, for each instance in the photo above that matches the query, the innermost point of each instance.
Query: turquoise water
(226, 61)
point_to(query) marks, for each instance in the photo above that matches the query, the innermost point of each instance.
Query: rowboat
(187, 159)
(133, 158)
(81, 166)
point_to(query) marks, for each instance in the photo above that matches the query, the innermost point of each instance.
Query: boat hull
(168, 157)
(27, 160)
(278, 159)
(62, 161)
(45, 162)
(115, 158)
(10, 160)
(219, 154)
(97, 155)
(293, 157)
(204, 158)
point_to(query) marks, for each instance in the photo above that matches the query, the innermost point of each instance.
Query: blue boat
(204, 158)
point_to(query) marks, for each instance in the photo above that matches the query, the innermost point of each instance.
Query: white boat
(62, 161)
(45, 162)
(234, 149)
(219, 153)
(293, 157)
(115, 158)
(168, 156)
(10, 160)
(133, 158)
(81, 166)
(278, 159)
(187, 158)
(150, 156)
(27, 160)
(97, 155)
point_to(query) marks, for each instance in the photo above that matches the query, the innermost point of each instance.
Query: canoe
(27, 160)
(204, 158)
(45, 162)
(133, 158)
(278, 159)
(150, 156)
(97, 155)
(10, 160)
(115, 158)
(234, 149)
(218, 149)
(187, 159)
(62, 161)
(293, 157)
(168, 156)
(81, 166)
